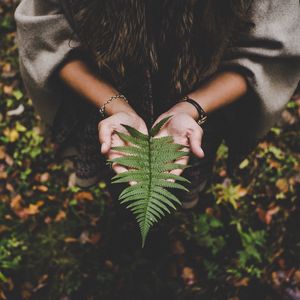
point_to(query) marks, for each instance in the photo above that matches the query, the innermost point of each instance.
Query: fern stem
(145, 229)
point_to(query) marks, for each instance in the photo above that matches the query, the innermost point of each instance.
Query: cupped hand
(185, 131)
(108, 138)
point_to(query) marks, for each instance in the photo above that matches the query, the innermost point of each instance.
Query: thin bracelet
(201, 113)
(102, 108)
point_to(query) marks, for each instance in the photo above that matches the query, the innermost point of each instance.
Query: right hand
(108, 138)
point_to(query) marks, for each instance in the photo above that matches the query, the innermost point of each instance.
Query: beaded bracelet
(102, 108)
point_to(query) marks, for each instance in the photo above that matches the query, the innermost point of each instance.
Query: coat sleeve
(45, 39)
(269, 57)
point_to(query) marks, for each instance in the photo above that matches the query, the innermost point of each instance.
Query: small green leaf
(154, 131)
(135, 133)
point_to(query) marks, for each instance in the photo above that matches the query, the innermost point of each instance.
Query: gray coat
(271, 55)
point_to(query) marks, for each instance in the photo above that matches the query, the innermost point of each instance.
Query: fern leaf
(154, 131)
(150, 159)
(135, 133)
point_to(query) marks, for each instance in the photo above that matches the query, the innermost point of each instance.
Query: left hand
(184, 130)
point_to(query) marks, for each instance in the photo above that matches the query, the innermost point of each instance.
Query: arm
(46, 42)
(268, 59)
(79, 77)
(223, 89)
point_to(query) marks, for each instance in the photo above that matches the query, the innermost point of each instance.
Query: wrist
(186, 108)
(117, 106)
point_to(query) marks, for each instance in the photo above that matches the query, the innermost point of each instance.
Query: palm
(180, 135)
(116, 141)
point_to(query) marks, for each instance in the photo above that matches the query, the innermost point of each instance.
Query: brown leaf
(241, 191)
(61, 215)
(288, 118)
(6, 68)
(84, 196)
(41, 188)
(7, 89)
(15, 203)
(266, 216)
(297, 277)
(3, 175)
(32, 209)
(11, 134)
(2, 295)
(70, 240)
(270, 213)
(188, 276)
(45, 177)
(9, 187)
(274, 164)
(51, 197)
(2, 153)
(9, 160)
(283, 185)
(223, 173)
(109, 264)
(242, 282)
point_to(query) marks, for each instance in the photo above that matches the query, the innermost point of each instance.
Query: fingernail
(202, 152)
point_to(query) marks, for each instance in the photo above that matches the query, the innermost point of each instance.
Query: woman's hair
(193, 34)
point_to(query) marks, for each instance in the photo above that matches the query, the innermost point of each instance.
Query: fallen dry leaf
(84, 196)
(297, 277)
(241, 191)
(242, 282)
(188, 276)
(11, 134)
(2, 153)
(70, 240)
(283, 185)
(41, 188)
(45, 177)
(7, 89)
(3, 175)
(61, 215)
(32, 209)
(15, 203)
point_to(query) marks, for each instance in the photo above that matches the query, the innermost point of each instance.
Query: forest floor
(60, 242)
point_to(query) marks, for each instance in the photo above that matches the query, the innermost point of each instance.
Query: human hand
(108, 138)
(184, 130)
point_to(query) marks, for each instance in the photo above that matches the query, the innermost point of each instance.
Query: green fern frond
(150, 159)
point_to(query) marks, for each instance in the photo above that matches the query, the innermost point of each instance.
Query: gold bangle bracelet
(102, 108)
